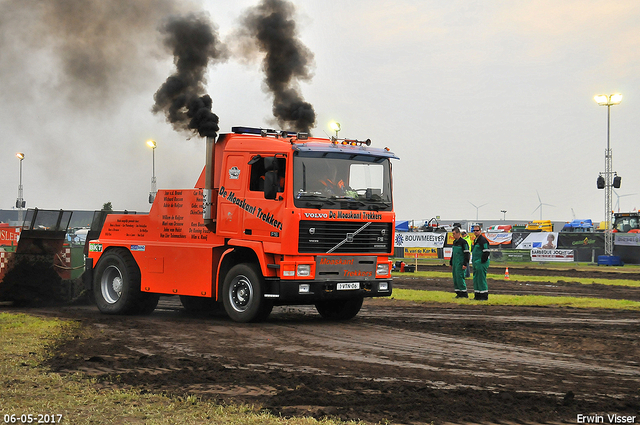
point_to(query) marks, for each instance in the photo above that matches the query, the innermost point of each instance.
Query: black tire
(116, 287)
(242, 294)
(339, 309)
(148, 303)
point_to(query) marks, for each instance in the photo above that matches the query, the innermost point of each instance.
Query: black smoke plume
(195, 44)
(287, 61)
(88, 52)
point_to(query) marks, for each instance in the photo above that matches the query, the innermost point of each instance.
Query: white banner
(627, 239)
(420, 239)
(551, 255)
(498, 238)
(539, 240)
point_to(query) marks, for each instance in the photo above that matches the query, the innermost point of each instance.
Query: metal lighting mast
(608, 181)
(20, 201)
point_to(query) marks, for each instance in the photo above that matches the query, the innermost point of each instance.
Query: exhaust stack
(208, 195)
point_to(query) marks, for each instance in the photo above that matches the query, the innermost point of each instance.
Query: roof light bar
(264, 132)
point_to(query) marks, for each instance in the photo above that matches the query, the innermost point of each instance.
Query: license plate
(347, 286)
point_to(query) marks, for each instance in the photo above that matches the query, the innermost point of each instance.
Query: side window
(258, 171)
(257, 175)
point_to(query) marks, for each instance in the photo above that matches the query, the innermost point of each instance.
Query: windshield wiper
(378, 205)
(323, 199)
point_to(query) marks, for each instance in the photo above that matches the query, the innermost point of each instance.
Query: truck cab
(628, 222)
(539, 226)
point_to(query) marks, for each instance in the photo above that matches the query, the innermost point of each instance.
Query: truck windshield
(341, 181)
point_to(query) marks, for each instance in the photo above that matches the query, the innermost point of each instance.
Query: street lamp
(335, 126)
(20, 203)
(152, 195)
(606, 181)
(504, 214)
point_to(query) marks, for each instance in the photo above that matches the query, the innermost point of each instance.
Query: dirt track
(396, 361)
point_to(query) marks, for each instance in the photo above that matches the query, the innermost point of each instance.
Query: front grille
(322, 236)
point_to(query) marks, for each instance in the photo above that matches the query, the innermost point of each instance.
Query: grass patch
(27, 388)
(514, 300)
(528, 278)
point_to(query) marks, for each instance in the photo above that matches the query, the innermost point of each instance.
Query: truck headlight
(383, 286)
(304, 269)
(383, 269)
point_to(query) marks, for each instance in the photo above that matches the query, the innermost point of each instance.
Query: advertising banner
(498, 238)
(419, 240)
(568, 240)
(9, 235)
(421, 253)
(538, 240)
(552, 255)
(627, 239)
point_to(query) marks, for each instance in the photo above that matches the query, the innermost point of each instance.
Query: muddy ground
(396, 361)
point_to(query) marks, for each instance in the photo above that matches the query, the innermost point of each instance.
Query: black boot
(462, 294)
(481, 296)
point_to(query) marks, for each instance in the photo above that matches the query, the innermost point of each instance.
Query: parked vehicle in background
(499, 228)
(578, 226)
(628, 222)
(539, 226)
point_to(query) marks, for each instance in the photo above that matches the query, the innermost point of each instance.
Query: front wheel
(242, 294)
(339, 309)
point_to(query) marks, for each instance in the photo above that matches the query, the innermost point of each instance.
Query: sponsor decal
(356, 273)
(552, 255)
(138, 247)
(586, 241)
(420, 239)
(95, 247)
(498, 238)
(316, 215)
(263, 215)
(421, 252)
(337, 261)
(234, 173)
(627, 239)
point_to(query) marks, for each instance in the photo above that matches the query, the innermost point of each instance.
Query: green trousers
(458, 277)
(480, 276)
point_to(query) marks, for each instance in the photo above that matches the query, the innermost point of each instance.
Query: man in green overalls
(480, 253)
(459, 263)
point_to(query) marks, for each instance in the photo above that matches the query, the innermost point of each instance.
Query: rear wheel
(116, 288)
(242, 294)
(339, 309)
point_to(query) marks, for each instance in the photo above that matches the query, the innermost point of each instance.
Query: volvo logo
(350, 237)
(312, 230)
(383, 231)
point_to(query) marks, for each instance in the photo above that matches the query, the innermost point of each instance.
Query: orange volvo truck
(276, 218)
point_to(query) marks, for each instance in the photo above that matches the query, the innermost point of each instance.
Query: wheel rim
(241, 293)
(111, 284)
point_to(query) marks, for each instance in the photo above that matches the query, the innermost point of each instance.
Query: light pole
(20, 203)
(608, 100)
(152, 195)
(504, 214)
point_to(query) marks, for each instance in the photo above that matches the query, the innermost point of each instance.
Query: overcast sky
(485, 102)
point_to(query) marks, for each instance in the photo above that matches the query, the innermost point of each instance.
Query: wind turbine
(617, 207)
(540, 205)
(477, 208)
